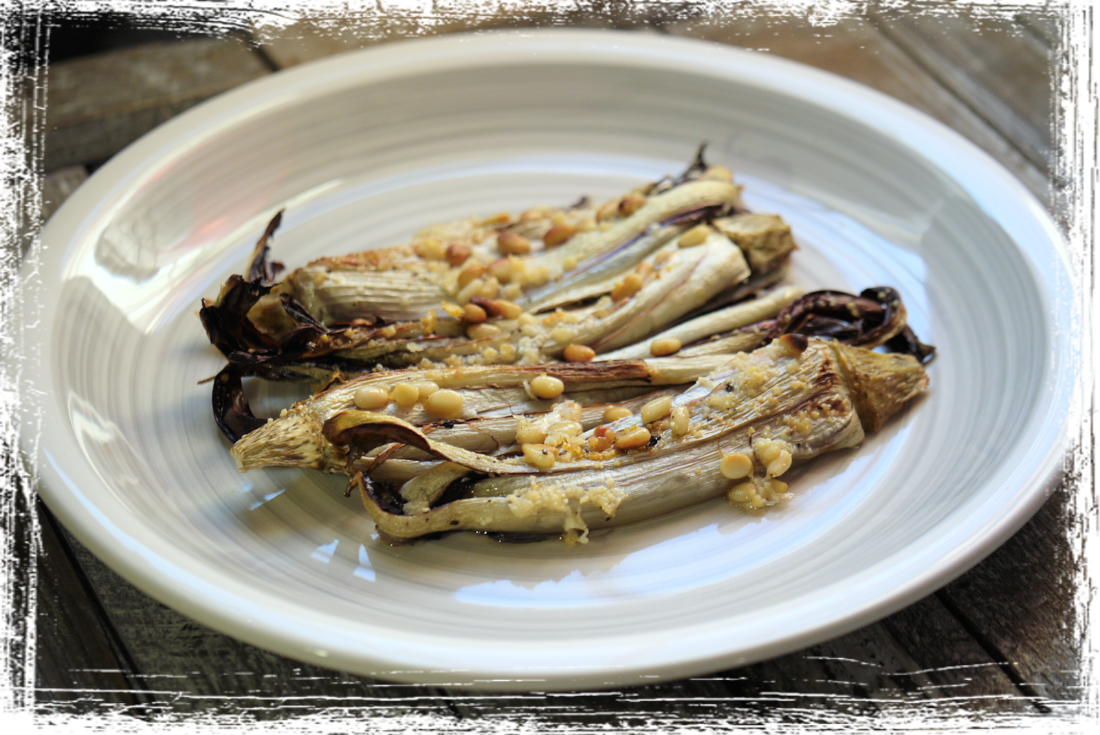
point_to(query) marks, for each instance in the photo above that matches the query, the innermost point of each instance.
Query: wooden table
(994, 646)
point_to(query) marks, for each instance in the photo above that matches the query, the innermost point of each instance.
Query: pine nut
(656, 409)
(632, 438)
(614, 413)
(695, 236)
(558, 234)
(501, 270)
(627, 287)
(430, 248)
(511, 243)
(664, 346)
(473, 313)
(540, 455)
(497, 220)
(490, 287)
(681, 421)
(631, 203)
(609, 210)
(602, 439)
(406, 395)
(457, 253)
(735, 466)
(470, 273)
(508, 309)
(795, 344)
(547, 387)
(780, 464)
(579, 353)
(483, 331)
(371, 398)
(444, 402)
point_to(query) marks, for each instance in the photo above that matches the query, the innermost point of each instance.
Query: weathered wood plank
(322, 34)
(189, 668)
(1055, 21)
(689, 705)
(991, 62)
(920, 655)
(58, 662)
(98, 105)
(1021, 602)
(968, 676)
(856, 49)
(24, 208)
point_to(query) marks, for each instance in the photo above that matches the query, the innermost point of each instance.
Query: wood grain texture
(1002, 71)
(689, 705)
(865, 680)
(189, 668)
(323, 35)
(1031, 601)
(856, 48)
(1055, 22)
(99, 104)
(58, 662)
(983, 695)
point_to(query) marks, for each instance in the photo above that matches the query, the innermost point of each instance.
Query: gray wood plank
(855, 48)
(1020, 601)
(970, 678)
(689, 705)
(97, 105)
(322, 34)
(1046, 24)
(24, 207)
(81, 665)
(1004, 73)
(189, 668)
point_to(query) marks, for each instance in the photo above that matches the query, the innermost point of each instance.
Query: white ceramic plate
(366, 148)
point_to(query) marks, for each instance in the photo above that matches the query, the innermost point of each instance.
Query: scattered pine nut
(406, 395)
(444, 402)
(614, 413)
(540, 455)
(627, 287)
(579, 353)
(656, 409)
(473, 313)
(780, 464)
(371, 398)
(547, 387)
(664, 346)
(457, 253)
(558, 234)
(735, 466)
(681, 421)
(511, 243)
(425, 388)
(470, 273)
(632, 438)
(483, 331)
(695, 236)
(631, 203)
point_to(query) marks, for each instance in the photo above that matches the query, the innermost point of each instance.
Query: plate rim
(66, 500)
